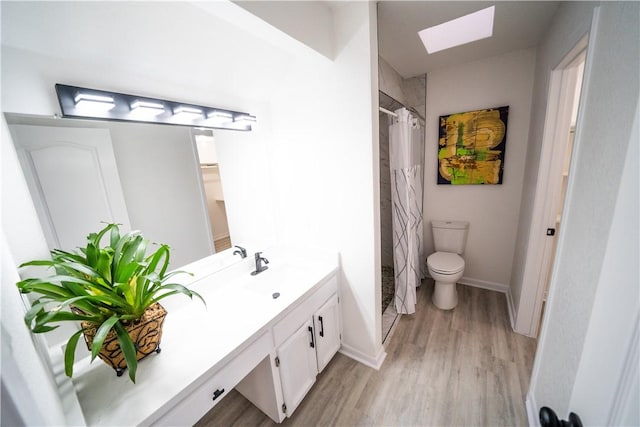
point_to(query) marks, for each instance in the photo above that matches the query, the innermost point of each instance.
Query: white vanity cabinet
(216, 385)
(327, 332)
(306, 340)
(270, 349)
(298, 367)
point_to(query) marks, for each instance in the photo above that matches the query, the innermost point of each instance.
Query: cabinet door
(298, 369)
(327, 325)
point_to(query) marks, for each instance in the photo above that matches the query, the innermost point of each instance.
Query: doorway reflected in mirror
(210, 168)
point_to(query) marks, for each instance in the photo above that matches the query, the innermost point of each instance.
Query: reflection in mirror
(210, 170)
(147, 177)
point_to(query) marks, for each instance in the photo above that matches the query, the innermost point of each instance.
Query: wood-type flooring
(463, 367)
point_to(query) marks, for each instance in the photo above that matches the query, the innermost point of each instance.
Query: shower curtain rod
(411, 109)
(391, 113)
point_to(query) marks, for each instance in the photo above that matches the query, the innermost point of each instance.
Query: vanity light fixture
(87, 101)
(147, 108)
(244, 118)
(219, 117)
(84, 103)
(243, 121)
(190, 112)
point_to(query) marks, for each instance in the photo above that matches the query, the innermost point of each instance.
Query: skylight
(466, 29)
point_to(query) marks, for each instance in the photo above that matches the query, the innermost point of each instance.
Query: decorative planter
(145, 334)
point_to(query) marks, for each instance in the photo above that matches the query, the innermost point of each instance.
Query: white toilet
(446, 265)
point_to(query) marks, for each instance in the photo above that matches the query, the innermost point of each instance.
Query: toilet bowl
(446, 268)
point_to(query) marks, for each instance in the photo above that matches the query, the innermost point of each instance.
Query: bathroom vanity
(267, 335)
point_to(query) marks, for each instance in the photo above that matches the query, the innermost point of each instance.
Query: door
(298, 367)
(571, 81)
(553, 175)
(327, 327)
(560, 175)
(73, 180)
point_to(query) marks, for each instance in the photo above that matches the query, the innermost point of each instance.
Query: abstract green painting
(471, 147)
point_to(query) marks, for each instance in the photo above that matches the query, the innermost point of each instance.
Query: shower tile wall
(415, 90)
(386, 236)
(389, 81)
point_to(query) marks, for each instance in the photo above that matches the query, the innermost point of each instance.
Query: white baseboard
(483, 284)
(221, 236)
(532, 411)
(358, 356)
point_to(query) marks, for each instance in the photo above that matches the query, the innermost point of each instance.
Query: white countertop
(198, 340)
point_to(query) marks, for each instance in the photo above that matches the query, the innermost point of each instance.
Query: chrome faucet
(260, 267)
(240, 251)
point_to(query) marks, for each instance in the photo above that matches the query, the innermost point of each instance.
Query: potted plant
(112, 290)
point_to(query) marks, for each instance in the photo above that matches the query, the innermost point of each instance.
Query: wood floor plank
(462, 367)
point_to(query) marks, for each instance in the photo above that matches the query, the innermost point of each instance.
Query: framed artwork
(471, 147)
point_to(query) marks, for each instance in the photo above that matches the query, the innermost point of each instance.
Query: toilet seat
(445, 263)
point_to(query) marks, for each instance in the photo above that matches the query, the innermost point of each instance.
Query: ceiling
(517, 25)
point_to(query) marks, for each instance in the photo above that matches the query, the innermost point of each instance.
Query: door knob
(548, 418)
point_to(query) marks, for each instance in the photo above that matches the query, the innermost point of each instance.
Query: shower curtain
(406, 152)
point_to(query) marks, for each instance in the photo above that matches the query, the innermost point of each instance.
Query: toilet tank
(450, 236)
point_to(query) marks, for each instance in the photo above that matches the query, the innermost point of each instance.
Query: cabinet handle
(217, 393)
(321, 326)
(311, 332)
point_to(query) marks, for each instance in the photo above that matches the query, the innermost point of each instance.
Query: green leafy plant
(109, 286)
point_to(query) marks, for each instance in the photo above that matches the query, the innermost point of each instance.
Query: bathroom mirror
(147, 177)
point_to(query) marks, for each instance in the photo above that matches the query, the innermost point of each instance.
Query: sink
(276, 282)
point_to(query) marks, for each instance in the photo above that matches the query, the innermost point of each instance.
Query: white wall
(323, 166)
(492, 210)
(592, 236)
(616, 305)
(571, 22)
(310, 22)
(201, 58)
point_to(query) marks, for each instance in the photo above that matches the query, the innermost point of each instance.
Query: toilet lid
(445, 262)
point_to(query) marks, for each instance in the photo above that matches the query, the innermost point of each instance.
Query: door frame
(202, 192)
(561, 96)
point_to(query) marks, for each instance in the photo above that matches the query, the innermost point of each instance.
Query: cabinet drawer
(287, 326)
(201, 400)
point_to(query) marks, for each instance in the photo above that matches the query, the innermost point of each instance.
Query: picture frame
(471, 147)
